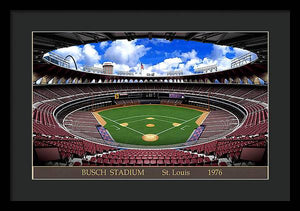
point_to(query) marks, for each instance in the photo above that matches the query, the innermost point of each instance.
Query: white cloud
(103, 44)
(86, 55)
(191, 60)
(98, 65)
(120, 67)
(192, 63)
(188, 61)
(220, 51)
(126, 56)
(189, 55)
(125, 52)
(91, 56)
(218, 57)
(74, 51)
(222, 63)
(175, 53)
(156, 41)
(165, 66)
(239, 52)
(184, 61)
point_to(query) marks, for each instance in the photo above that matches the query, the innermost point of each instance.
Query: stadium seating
(150, 158)
(48, 133)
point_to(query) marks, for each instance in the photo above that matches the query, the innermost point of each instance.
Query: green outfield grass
(163, 118)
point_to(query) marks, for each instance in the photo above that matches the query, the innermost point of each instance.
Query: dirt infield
(99, 118)
(201, 119)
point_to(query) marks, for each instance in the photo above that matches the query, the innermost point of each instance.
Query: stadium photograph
(150, 105)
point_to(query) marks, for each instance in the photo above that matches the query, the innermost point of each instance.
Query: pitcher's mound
(150, 137)
(125, 124)
(176, 124)
(150, 125)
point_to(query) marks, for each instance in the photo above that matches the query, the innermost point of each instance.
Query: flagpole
(208, 100)
(141, 68)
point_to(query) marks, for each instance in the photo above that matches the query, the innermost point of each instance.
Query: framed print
(150, 105)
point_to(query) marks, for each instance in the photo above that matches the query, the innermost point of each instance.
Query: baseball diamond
(164, 122)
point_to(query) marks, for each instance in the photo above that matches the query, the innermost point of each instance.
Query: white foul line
(184, 127)
(149, 115)
(152, 115)
(116, 127)
(126, 127)
(175, 127)
(145, 120)
(164, 120)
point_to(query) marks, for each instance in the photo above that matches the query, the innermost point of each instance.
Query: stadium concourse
(64, 113)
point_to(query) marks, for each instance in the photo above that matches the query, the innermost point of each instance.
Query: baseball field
(150, 125)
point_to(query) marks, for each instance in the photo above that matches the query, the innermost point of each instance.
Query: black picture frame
(22, 188)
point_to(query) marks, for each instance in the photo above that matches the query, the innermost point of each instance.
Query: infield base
(176, 124)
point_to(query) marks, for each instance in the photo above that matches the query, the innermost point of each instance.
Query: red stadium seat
(125, 162)
(139, 162)
(132, 162)
(146, 162)
(167, 161)
(106, 161)
(153, 162)
(99, 161)
(160, 162)
(222, 164)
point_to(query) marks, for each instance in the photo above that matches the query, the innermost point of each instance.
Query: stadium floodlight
(174, 72)
(93, 69)
(56, 59)
(242, 60)
(124, 72)
(206, 69)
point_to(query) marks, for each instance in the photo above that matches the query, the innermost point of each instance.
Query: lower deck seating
(150, 157)
(71, 147)
(207, 154)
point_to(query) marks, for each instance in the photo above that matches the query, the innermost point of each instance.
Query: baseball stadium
(96, 117)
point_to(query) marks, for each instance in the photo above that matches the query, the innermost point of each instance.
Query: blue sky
(158, 56)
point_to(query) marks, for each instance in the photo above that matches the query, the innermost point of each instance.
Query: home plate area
(150, 137)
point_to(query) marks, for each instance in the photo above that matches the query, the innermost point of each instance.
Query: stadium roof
(256, 42)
